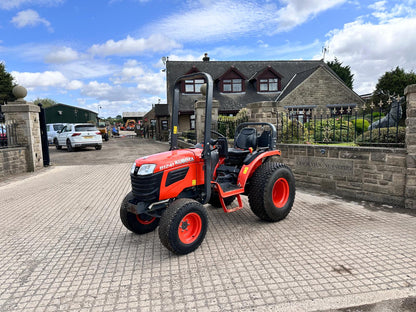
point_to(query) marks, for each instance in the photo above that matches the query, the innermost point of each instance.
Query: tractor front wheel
(137, 223)
(183, 226)
(272, 191)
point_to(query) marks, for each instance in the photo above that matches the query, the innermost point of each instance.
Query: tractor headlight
(146, 169)
(132, 168)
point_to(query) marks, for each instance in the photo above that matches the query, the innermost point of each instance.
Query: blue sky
(106, 55)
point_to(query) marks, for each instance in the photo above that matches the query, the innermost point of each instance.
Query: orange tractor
(170, 189)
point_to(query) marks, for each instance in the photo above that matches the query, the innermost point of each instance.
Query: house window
(192, 122)
(232, 81)
(164, 125)
(232, 85)
(193, 85)
(302, 113)
(267, 80)
(269, 85)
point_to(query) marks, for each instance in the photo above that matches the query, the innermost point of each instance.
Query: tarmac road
(63, 248)
(122, 149)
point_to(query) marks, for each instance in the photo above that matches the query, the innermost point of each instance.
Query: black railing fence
(8, 134)
(368, 125)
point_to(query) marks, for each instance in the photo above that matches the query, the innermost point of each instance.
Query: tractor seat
(246, 138)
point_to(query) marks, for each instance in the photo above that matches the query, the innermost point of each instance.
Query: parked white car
(79, 135)
(52, 130)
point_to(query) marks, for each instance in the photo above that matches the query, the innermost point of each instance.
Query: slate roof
(235, 101)
(161, 110)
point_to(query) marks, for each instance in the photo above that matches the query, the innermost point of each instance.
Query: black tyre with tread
(69, 146)
(58, 147)
(182, 214)
(139, 224)
(261, 197)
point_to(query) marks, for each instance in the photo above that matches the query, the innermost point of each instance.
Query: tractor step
(228, 187)
(232, 209)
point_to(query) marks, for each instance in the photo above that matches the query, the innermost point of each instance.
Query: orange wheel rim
(280, 193)
(145, 219)
(189, 228)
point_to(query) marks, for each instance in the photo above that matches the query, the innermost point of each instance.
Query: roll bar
(206, 155)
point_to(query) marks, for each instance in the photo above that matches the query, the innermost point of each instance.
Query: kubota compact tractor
(170, 189)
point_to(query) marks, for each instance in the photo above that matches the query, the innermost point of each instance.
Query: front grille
(146, 188)
(176, 175)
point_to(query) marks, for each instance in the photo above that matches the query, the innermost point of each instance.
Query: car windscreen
(85, 128)
(58, 127)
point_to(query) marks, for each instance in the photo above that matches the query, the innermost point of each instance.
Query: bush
(334, 130)
(361, 125)
(383, 135)
(293, 131)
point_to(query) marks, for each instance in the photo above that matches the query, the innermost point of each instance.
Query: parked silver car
(78, 136)
(52, 130)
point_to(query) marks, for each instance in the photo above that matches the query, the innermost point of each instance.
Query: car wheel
(183, 226)
(139, 224)
(98, 147)
(58, 147)
(272, 191)
(69, 146)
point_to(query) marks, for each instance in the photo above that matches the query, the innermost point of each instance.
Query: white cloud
(207, 20)
(152, 83)
(372, 49)
(132, 46)
(296, 12)
(61, 55)
(47, 79)
(87, 69)
(30, 18)
(13, 4)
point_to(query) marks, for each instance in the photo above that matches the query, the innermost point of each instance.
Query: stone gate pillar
(265, 111)
(26, 116)
(410, 187)
(200, 118)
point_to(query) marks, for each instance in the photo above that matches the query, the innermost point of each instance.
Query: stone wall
(381, 175)
(321, 88)
(13, 161)
(357, 173)
(25, 116)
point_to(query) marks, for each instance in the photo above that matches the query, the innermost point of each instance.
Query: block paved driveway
(63, 248)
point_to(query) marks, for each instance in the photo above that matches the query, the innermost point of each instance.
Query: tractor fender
(248, 170)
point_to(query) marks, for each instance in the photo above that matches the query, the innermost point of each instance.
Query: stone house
(156, 122)
(298, 87)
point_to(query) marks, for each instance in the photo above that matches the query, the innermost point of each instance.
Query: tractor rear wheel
(272, 191)
(183, 226)
(139, 224)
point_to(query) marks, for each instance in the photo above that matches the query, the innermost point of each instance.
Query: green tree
(392, 83)
(6, 85)
(343, 72)
(46, 102)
